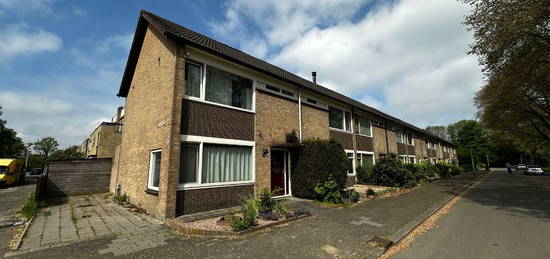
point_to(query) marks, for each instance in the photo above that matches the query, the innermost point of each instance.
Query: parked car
(11, 172)
(533, 169)
(36, 171)
(520, 167)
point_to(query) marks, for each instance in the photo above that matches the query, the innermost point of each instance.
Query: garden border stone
(177, 225)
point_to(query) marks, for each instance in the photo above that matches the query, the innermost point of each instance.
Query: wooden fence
(77, 177)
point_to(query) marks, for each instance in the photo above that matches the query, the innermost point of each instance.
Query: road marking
(365, 220)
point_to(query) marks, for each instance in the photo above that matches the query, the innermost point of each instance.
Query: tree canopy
(10, 144)
(45, 146)
(512, 42)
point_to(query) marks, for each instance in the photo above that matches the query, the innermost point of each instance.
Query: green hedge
(364, 174)
(317, 162)
(393, 172)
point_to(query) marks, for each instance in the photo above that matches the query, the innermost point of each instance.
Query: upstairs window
(339, 119)
(229, 89)
(279, 90)
(400, 137)
(410, 139)
(193, 78)
(363, 127)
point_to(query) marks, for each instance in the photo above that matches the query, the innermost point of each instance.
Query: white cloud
(35, 115)
(79, 12)
(122, 41)
(408, 58)
(20, 39)
(24, 6)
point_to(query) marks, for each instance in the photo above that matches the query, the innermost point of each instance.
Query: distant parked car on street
(520, 167)
(533, 169)
(36, 171)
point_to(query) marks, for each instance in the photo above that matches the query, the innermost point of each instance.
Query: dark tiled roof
(182, 34)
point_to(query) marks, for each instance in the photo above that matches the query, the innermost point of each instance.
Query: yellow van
(11, 172)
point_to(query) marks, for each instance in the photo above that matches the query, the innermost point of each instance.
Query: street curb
(411, 226)
(24, 232)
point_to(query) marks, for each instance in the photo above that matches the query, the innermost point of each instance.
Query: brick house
(206, 124)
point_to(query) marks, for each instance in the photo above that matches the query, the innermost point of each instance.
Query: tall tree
(67, 154)
(45, 146)
(472, 141)
(512, 42)
(440, 131)
(10, 144)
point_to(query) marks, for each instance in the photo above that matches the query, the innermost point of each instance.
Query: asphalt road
(505, 216)
(11, 200)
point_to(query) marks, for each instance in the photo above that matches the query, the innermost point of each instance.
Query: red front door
(278, 169)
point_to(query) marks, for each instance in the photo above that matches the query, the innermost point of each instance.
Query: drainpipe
(387, 143)
(300, 113)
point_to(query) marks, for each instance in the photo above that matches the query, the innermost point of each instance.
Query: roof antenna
(314, 76)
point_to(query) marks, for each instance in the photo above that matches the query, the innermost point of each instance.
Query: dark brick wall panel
(202, 119)
(199, 200)
(77, 177)
(401, 149)
(345, 139)
(410, 150)
(364, 143)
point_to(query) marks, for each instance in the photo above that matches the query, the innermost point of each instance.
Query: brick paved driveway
(92, 216)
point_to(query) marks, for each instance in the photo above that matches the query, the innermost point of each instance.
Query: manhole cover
(380, 242)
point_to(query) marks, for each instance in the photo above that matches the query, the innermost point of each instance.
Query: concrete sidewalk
(329, 233)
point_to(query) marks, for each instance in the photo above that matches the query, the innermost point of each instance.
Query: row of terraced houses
(206, 124)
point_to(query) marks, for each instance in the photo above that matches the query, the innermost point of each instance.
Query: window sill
(340, 130)
(363, 135)
(152, 192)
(214, 185)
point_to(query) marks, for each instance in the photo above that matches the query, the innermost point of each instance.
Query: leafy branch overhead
(512, 42)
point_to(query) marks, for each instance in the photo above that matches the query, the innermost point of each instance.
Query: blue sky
(61, 61)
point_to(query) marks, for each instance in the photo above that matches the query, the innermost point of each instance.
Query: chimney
(314, 76)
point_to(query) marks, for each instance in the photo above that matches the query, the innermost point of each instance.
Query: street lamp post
(27, 158)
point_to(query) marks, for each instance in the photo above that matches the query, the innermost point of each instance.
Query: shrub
(455, 169)
(370, 192)
(317, 162)
(443, 169)
(270, 215)
(266, 202)
(328, 192)
(291, 137)
(364, 174)
(120, 199)
(392, 172)
(351, 195)
(546, 169)
(249, 209)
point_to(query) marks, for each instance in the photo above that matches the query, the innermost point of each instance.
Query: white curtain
(223, 163)
(229, 89)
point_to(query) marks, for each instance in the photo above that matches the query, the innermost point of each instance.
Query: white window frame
(407, 138)
(359, 126)
(344, 111)
(151, 169)
(197, 60)
(349, 151)
(263, 86)
(200, 140)
(361, 153)
(403, 136)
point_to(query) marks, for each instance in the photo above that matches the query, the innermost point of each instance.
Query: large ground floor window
(365, 158)
(212, 163)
